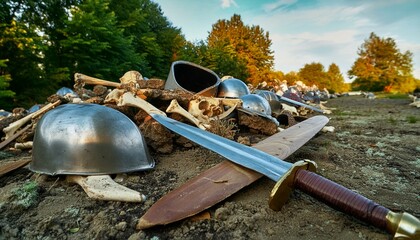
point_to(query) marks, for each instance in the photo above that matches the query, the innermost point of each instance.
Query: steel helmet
(192, 78)
(232, 88)
(66, 91)
(272, 99)
(88, 139)
(255, 104)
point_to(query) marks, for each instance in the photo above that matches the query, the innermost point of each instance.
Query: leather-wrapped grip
(341, 198)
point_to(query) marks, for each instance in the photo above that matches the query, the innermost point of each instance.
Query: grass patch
(26, 196)
(392, 95)
(392, 120)
(411, 119)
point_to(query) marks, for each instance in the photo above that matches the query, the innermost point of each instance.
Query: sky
(307, 31)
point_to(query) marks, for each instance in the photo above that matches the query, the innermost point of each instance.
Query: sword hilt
(401, 225)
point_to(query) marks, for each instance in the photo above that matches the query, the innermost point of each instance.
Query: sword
(287, 176)
(226, 178)
(291, 101)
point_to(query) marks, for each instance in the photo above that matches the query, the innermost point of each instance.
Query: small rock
(121, 226)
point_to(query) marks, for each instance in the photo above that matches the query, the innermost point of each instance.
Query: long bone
(81, 79)
(14, 126)
(174, 107)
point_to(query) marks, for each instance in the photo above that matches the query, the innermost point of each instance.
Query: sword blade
(252, 158)
(288, 100)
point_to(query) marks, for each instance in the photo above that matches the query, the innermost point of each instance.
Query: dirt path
(375, 151)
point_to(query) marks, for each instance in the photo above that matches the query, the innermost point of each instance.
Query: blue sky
(306, 31)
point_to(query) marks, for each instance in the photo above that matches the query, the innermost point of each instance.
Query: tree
(314, 74)
(94, 44)
(336, 79)
(21, 47)
(247, 44)
(152, 34)
(6, 95)
(381, 66)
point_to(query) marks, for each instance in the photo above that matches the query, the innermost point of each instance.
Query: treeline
(43, 43)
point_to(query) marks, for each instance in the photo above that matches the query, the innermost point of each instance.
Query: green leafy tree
(22, 47)
(220, 59)
(314, 74)
(381, 66)
(94, 44)
(247, 44)
(153, 36)
(6, 95)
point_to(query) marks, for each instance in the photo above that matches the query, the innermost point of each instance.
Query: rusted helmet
(232, 88)
(88, 139)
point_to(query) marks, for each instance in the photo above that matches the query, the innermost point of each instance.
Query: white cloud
(228, 3)
(269, 7)
(293, 51)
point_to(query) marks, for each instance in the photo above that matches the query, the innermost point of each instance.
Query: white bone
(328, 129)
(131, 77)
(102, 187)
(225, 113)
(204, 108)
(415, 104)
(114, 96)
(14, 126)
(84, 79)
(291, 109)
(128, 99)
(174, 107)
(25, 145)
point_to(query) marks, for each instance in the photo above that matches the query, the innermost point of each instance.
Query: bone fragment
(131, 77)
(102, 187)
(291, 109)
(25, 145)
(174, 107)
(328, 129)
(14, 126)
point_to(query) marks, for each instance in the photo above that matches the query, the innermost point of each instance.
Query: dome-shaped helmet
(272, 99)
(64, 91)
(232, 88)
(255, 104)
(88, 139)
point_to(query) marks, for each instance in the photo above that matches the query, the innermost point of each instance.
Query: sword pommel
(403, 225)
(284, 187)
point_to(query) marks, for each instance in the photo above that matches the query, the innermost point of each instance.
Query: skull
(205, 108)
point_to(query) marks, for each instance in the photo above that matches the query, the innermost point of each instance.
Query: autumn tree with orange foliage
(381, 66)
(250, 44)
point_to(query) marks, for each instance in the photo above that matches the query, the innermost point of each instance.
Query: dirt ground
(374, 150)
